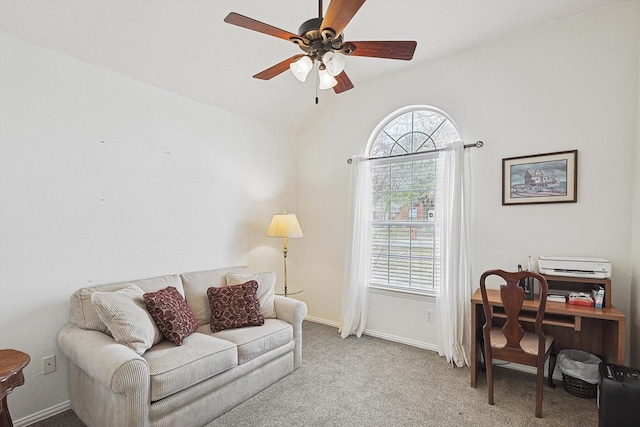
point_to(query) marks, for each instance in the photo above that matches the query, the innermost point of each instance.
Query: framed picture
(540, 178)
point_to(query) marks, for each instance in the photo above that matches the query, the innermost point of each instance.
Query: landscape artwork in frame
(540, 178)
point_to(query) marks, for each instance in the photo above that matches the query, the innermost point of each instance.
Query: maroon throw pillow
(235, 306)
(171, 313)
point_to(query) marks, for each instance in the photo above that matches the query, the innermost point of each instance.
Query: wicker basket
(578, 387)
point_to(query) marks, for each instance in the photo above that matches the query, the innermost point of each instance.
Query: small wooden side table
(11, 364)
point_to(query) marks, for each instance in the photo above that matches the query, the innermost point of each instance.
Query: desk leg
(621, 339)
(612, 346)
(474, 344)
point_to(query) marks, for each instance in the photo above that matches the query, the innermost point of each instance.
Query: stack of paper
(556, 298)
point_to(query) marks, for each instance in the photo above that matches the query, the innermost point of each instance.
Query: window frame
(414, 156)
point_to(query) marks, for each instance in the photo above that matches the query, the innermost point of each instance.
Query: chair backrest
(512, 297)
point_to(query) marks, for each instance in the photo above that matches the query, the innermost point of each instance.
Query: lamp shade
(334, 63)
(284, 225)
(301, 68)
(327, 81)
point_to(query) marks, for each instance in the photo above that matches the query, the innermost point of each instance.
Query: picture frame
(540, 178)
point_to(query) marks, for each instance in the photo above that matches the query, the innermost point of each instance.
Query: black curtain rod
(478, 144)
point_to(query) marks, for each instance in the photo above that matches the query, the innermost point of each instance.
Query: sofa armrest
(113, 365)
(294, 312)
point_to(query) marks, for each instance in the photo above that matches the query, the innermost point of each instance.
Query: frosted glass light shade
(334, 63)
(285, 225)
(327, 81)
(301, 68)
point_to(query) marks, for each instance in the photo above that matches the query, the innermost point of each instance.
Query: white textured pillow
(196, 285)
(265, 293)
(126, 316)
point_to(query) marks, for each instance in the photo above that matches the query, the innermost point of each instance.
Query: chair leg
(539, 384)
(480, 338)
(489, 370)
(553, 356)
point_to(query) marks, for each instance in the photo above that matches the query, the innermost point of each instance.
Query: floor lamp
(286, 226)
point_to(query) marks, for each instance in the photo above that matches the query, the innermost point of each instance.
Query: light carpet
(373, 382)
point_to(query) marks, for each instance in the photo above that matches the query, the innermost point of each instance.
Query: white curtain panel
(453, 306)
(358, 251)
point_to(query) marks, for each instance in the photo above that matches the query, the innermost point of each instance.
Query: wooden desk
(600, 331)
(11, 364)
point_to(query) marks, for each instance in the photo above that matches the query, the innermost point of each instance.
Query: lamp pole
(284, 251)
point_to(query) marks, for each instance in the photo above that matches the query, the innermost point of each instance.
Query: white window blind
(404, 246)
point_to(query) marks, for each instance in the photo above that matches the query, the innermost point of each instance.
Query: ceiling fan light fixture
(301, 68)
(333, 62)
(327, 81)
(324, 46)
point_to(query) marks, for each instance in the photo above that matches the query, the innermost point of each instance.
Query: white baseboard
(401, 340)
(322, 321)
(41, 415)
(377, 334)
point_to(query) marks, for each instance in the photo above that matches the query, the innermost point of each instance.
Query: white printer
(596, 268)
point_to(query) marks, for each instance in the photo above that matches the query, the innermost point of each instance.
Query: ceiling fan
(323, 42)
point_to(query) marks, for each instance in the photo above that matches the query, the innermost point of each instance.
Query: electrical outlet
(48, 364)
(429, 315)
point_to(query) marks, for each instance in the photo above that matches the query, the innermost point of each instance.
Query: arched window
(405, 178)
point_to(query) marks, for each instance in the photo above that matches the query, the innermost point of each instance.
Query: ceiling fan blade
(344, 83)
(251, 24)
(279, 68)
(385, 49)
(339, 13)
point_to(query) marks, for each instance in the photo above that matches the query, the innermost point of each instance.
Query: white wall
(105, 179)
(635, 256)
(571, 84)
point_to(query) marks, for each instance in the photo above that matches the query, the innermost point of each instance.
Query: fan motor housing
(308, 26)
(310, 31)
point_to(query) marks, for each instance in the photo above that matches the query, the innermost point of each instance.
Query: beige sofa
(171, 385)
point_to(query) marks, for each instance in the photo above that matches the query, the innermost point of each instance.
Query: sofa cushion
(171, 313)
(174, 368)
(125, 314)
(196, 285)
(266, 289)
(254, 341)
(235, 306)
(84, 315)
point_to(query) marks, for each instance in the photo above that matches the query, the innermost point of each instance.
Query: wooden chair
(510, 342)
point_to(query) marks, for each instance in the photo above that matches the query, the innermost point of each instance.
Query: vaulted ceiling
(185, 47)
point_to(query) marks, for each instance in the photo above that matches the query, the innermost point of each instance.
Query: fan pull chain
(317, 82)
